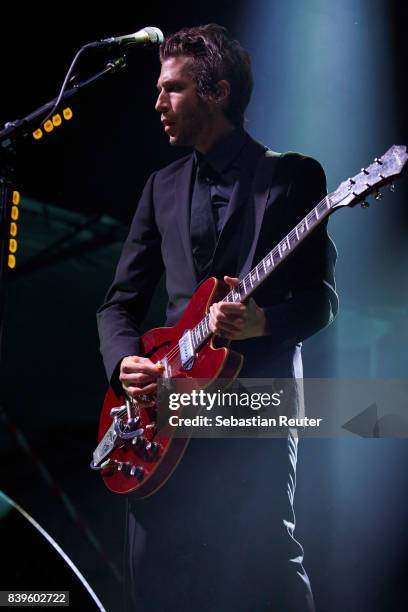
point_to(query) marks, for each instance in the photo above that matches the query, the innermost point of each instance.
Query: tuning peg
(365, 204)
(351, 183)
(392, 187)
(365, 171)
(377, 161)
(378, 195)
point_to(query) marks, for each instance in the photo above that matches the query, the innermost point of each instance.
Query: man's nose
(162, 103)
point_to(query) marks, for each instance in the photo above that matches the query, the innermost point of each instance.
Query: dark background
(341, 99)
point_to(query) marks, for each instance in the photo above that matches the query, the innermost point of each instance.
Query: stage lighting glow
(56, 119)
(67, 113)
(48, 126)
(37, 134)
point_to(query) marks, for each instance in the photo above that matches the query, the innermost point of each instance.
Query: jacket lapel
(182, 194)
(248, 162)
(242, 225)
(236, 211)
(239, 237)
(256, 210)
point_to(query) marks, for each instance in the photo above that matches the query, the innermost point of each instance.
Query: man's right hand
(138, 375)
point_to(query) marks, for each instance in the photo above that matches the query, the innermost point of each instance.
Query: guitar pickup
(186, 347)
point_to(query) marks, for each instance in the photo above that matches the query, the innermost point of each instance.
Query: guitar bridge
(117, 433)
(105, 447)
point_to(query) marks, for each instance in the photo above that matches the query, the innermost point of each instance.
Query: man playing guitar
(220, 534)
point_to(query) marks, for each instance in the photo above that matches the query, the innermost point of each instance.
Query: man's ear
(222, 93)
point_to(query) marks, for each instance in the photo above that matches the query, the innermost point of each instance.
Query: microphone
(145, 37)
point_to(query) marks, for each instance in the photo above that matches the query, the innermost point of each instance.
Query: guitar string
(312, 217)
(320, 207)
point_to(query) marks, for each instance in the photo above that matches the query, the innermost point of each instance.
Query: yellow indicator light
(48, 126)
(13, 229)
(37, 134)
(11, 261)
(12, 245)
(67, 113)
(16, 198)
(57, 120)
(14, 213)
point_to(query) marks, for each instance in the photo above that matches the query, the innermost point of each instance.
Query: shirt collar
(225, 151)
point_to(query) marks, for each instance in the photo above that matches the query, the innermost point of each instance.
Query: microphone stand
(10, 136)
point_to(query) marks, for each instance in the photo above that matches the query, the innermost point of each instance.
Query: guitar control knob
(152, 450)
(136, 471)
(139, 442)
(155, 449)
(129, 469)
(149, 451)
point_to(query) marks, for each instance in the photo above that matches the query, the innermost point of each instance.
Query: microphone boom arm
(20, 128)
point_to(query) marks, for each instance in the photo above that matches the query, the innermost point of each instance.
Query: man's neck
(213, 134)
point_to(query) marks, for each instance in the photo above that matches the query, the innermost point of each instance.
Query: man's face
(184, 115)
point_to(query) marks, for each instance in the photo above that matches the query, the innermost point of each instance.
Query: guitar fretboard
(265, 267)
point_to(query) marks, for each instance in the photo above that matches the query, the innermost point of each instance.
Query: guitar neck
(268, 264)
(280, 252)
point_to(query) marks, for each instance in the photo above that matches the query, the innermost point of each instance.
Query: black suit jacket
(299, 298)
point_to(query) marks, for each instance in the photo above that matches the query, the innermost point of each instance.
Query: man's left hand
(236, 321)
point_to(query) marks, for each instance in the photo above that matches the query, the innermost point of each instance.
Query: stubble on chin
(179, 141)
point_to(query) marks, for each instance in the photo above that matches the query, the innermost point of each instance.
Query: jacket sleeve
(127, 301)
(311, 302)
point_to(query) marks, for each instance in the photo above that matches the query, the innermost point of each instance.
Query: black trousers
(219, 536)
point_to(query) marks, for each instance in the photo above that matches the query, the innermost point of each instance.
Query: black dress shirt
(222, 171)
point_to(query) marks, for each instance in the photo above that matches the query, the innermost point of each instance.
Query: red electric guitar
(132, 455)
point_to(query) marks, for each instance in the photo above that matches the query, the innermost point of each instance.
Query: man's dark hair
(214, 57)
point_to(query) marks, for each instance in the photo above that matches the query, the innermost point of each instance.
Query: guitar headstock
(381, 172)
